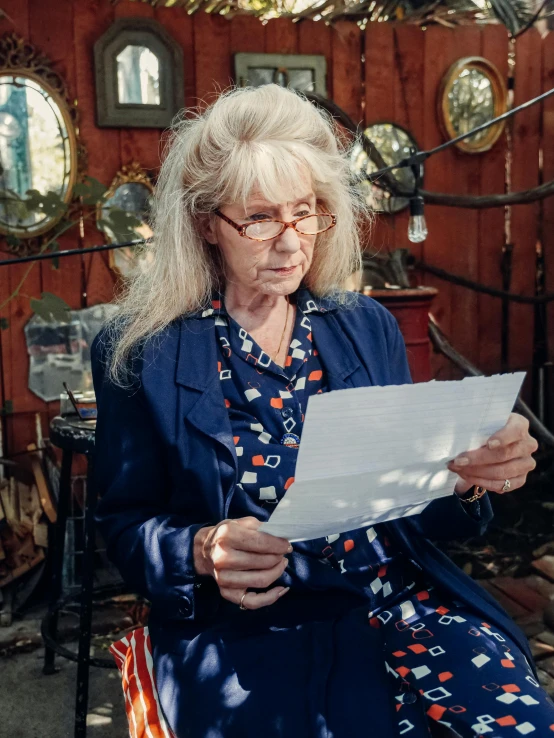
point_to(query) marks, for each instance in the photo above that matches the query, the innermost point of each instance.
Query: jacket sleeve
(447, 517)
(152, 548)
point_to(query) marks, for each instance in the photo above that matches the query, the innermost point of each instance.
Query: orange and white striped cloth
(133, 656)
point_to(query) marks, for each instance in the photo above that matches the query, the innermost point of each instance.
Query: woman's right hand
(238, 556)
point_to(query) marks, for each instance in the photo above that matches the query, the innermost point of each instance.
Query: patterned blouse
(266, 405)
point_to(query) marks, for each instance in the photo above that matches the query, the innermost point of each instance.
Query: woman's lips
(284, 270)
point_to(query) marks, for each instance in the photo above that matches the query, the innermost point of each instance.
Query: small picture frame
(139, 75)
(302, 72)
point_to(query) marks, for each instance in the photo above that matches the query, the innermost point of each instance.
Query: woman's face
(273, 267)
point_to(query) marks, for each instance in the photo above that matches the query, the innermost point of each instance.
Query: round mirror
(123, 216)
(38, 151)
(472, 93)
(393, 144)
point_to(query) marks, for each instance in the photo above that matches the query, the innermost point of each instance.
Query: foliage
(90, 193)
(516, 15)
(51, 308)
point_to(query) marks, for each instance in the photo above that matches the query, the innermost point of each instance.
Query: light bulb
(417, 227)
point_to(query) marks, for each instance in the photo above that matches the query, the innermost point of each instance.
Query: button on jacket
(309, 665)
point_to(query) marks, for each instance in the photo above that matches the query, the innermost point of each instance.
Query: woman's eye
(259, 216)
(303, 212)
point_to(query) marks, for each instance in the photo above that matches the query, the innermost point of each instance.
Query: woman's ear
(206, 226)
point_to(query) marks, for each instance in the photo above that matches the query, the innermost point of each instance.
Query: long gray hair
(250, 138)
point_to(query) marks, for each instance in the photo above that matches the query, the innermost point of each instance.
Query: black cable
(72, 252)
(420, 156)
(483, 288)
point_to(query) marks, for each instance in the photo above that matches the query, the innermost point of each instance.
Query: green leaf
(91, 190)
(50, 204)
(121, 224)
(51, 308)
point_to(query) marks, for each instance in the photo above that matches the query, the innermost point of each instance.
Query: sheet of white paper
(372, 454)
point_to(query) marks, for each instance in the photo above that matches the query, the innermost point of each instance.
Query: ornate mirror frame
(138, 32)
(22, 59)
(500, 97)
(129, 173)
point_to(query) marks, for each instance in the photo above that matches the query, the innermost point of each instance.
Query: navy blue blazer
(166, 466)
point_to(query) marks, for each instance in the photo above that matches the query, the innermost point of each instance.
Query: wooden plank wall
(398, 82)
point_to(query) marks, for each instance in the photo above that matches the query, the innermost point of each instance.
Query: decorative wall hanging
(302, 72)
(472, 92)
(393, 143)
(130, 191)
(40, 148)
(139, 75)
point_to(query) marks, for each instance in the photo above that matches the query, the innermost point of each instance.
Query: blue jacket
(166, 466)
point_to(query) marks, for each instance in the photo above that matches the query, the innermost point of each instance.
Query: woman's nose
(288, 240)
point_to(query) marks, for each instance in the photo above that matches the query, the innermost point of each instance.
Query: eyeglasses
(268, 228)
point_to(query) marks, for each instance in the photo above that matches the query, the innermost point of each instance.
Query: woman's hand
(239, 557)
(507, 455)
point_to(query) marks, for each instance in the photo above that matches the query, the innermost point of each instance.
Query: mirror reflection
(60, 352)
(35, 151)
(299, 79)
(124, 216)
(394, 144)
(471, 103)
(138, 76)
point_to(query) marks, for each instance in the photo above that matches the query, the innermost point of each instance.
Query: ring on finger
(507, 486)
(242, 607)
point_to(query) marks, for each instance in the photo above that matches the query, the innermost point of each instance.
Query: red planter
(411, 309)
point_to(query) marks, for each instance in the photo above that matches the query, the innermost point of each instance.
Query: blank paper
(371, 454)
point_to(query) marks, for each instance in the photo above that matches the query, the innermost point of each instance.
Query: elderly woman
(202, 384)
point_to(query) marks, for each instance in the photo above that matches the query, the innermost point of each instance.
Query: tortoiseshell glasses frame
(241, 229)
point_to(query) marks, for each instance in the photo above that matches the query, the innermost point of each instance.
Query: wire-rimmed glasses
(268, 228)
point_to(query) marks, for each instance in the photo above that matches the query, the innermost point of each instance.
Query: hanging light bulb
(417, 227)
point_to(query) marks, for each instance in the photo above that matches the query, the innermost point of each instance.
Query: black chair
(73, 435)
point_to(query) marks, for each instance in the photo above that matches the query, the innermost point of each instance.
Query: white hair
(251, 139)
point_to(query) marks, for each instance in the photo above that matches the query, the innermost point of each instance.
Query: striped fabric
(133, 656)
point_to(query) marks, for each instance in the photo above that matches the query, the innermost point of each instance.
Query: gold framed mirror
(130, 192)
(471, 93)
(40, 147)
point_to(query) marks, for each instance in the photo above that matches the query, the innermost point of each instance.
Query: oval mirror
(393, 143)
(38, 151)
(128, 195)
(472, 93)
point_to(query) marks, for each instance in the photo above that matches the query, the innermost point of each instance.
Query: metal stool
(73, 435)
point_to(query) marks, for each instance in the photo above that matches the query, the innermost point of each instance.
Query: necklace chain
(273, 358)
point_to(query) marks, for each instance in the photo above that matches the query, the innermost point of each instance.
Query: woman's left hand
(507, 456)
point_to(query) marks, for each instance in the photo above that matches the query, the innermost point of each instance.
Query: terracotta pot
(411, 309)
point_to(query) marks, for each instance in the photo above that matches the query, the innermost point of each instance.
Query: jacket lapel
(196, 370)
(337, 353)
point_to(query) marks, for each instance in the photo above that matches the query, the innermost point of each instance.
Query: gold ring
(242, 607)
(507, 486)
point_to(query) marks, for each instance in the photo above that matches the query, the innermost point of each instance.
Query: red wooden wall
(398, 82)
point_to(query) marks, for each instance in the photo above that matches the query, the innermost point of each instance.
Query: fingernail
(283, 592)
(461, 461)
(289, 549)
(495, 443)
